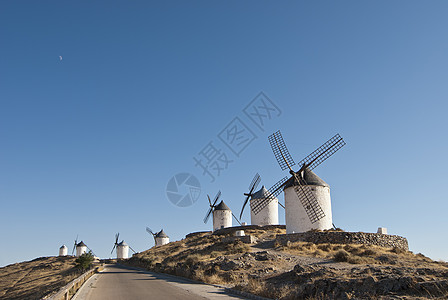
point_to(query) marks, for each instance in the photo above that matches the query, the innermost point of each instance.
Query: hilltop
(37, 278)
(298, 270)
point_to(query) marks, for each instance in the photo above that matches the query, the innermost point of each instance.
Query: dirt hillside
(35, 279)
(299, 270)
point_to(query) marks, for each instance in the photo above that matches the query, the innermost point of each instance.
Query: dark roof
(63, 246)
(122, 243)
(311, 179)
(261, 194)
(222, 206)
(161, 234)
(81, 244)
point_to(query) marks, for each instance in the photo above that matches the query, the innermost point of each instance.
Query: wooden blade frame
(252, 186)
(281, 153)
(319, 155)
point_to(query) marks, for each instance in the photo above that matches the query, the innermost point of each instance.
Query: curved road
(118, 282)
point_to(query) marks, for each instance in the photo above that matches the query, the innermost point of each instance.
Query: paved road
(121, 283)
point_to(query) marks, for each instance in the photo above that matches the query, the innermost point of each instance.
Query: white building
(269, 214)
(222, 216)
(296, 217)
(63, 251)
(81, 248)
(122, 250)
(162, 238)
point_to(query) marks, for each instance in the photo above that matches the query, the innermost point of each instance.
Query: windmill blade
(281, 153)
(132, 249)
(253, 185)
(244, 205)
(237, 219)
(149, 230)
(116, 238)
(319, 155)
(209, 201)
(272, 193)
(113, 248)
(308, 200)
(76, 243)
(207, 216)
(216, 198)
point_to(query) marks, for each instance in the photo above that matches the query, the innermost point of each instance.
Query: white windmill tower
(307, 204)
(80, 248)
(63, 250)
(222, 215)
(269, 214)
(160, 238)
(122, 248)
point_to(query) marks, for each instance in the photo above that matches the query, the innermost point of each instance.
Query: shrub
(84, 261)
(341, 256)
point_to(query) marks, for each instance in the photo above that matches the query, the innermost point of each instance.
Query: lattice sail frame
(252, 186)
(319, 155)
(281, 153)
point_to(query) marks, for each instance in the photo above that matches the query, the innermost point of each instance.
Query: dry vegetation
(300, 270)
(36, 278)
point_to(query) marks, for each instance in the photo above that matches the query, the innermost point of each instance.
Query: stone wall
(340, 237)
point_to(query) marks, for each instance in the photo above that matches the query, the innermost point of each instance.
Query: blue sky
(89, 142)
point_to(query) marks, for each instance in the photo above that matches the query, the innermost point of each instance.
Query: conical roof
(81, 244)
(122, 243)
(63, 246)
(261, 194)
(222, 206)
(311, 179)
(161, 234)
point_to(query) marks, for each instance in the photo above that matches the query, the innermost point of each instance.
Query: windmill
(160, 238)
(301, 182)
(269, 214)
(122, 248)
(222, 215)
(80, 247)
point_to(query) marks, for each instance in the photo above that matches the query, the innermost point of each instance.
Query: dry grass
(36, 278)
(354, 253)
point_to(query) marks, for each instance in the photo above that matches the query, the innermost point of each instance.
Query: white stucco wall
(63, 251)
(222, 219)
(162, 241)
(267, 216)
(81, 250)
(123, 251)
(296, 217)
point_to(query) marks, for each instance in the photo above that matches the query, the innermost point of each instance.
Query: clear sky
(102, 103)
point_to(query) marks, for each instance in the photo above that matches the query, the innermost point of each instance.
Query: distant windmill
(160, 238)
(122, 248)
(222, 215)
(269, 214)
(307, 197)
(80, 247)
